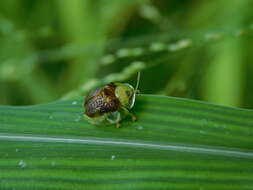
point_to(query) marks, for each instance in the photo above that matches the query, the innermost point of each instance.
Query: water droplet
(113, 157)
(22, 164)
(74, 102)
(16, 150)
(78, 118)
(44, 158)
(139, 127)
(53, 163)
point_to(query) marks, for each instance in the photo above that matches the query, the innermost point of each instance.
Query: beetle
(111, 103)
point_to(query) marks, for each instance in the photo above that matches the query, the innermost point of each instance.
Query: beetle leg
(118, 125)
(129, 113)
(134, 118)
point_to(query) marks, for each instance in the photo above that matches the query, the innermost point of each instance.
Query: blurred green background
(190, 48)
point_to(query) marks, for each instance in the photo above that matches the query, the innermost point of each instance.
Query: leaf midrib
(134, 144)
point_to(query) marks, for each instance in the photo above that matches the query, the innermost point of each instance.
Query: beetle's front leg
(118, 125)
(126, 112)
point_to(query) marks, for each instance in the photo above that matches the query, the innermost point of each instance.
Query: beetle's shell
(101, 101)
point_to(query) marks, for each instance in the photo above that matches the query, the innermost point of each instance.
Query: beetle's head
(126, 94)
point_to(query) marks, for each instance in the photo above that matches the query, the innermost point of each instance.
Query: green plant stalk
(224, 82)
(81, 26)
(224, 79)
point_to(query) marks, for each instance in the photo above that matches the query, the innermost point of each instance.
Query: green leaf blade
(176, 144)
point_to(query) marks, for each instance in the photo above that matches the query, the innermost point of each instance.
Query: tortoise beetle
(111, 103)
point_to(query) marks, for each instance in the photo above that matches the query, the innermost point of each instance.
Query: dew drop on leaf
(113, 157)
(22, 164)
(74, 102)
(139, 127)
(78, 118)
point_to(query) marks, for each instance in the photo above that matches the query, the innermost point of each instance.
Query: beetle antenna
(138, 81)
